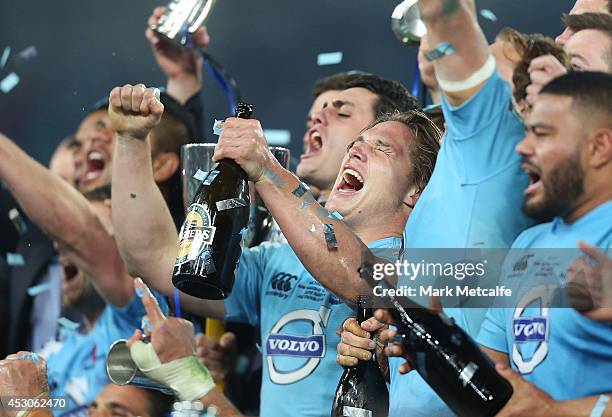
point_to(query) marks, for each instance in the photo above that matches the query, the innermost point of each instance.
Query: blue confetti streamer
(68, 324)
(14, 259)
(200, 175)
(39, 289)
(140, 292)
(335, 215)
(5, 56)
(9, 82)
(441, 50)
(177, 303)
(488, 14)
(145, 324)
(211, 177)
(217, 127)
(329, 58)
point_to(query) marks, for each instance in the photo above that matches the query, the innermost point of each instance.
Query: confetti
(9, 82)
(300, 190)
(488, 14)
(39, 289)
(277, 136)
(330, 236)
(441, 50)
(140, 292)
(15, 259)
(313, 228)
(200, 175)
(217, 127)
(329, 58)
(232, 203)
(335, 215)
(68, 324)
(308, 201)
(28, 53)
(5, 56)
(211, 177)
(30, 356)
(18, 221)
(145, 324)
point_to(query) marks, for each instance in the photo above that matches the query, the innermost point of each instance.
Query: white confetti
(15, 259)
(28, 53)
(9, 82)
(5, 56)
(39, 289)
(488, 14)
(329, 58)
(277, 136)
(313, 228)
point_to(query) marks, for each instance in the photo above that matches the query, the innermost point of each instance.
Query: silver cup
(194, 157)
(406, 22)
(122, 370)
(182, 18)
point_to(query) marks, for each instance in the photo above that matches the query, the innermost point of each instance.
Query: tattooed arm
(301, 218)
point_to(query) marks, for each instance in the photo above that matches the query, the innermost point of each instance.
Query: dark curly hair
(529, 47)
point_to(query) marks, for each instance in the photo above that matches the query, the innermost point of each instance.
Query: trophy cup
(122, 370)
(182, 18)
(406, 22)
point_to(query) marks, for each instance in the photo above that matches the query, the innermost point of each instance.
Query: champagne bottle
(445, 356)
(209, 247)
(362, 390)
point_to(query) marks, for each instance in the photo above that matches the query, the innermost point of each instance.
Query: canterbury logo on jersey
(532, 329)
(282, 281)
(304, 346)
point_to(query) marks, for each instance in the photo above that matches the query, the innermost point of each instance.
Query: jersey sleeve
(493, 330)
(483, 132)
(244, 303)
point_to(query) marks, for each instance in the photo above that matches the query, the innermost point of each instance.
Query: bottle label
(355, 412)
(195, 234)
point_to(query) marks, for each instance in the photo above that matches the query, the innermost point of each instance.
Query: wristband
(187, 377)
(480, 75)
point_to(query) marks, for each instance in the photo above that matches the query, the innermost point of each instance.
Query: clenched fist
(134, 110)
(23, 374)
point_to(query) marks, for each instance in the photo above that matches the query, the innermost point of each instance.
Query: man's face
(552, 158)
(335, 121)
(589, 51)
(582, 6)
(120, 401)
(93, 159)
(375, 176)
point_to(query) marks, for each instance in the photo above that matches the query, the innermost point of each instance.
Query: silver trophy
(182, 18)
(406, 22)
(198, 156)
(122, 370)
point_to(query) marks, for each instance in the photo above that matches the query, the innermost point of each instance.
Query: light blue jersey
(299, 319)
(557, 349)
(473, 200)
(76, 365)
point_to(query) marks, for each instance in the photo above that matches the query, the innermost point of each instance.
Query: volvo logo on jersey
(302, 346)
(531, 329)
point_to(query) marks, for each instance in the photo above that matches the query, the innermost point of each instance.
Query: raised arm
(183, 68)
(454, 22)
(145, 232)
(68, 218)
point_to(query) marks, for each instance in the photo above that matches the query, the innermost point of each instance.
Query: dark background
(87, 47)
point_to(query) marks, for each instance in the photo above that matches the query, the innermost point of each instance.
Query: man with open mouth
(383, 171)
